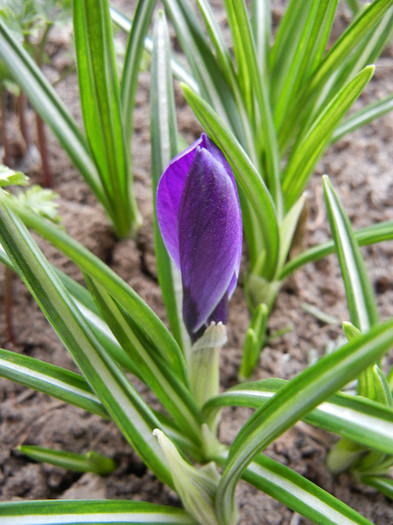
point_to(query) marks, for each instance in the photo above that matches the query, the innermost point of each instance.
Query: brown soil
(360, 167)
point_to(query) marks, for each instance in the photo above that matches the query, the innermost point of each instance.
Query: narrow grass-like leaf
(368, 50)
(225, 62)
(62, 512)
(89, 462)
(370, 17)
(244, 51)
(173, 395)
(223, 55)
(261, 21)
(73, 389)
(178, 69)
(132, 62)
(354, 417)
(204, 67)
(100, 98)
(163, 131)
(92, 316)
(253, 342)
(287, 34)
(160, 340)
(381, 483)
(300, 494)
(295, 400)
(380, 232)
(126, 407)
(323, 84)
(360, 296)
(288, 228)
(305, 153)
(256, 95)
(297, 492)
(85, 304)
(312, 31)
(264, 229)
(360, 118)
(51, 109)
(52, 380)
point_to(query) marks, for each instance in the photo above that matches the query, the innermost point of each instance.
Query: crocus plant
(114, 336)
(274, 101)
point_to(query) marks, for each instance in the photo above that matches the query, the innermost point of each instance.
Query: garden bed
(360, 168)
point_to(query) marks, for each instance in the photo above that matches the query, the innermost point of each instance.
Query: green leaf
(41, 201)
(92, 316)
(300, 494)
(259, 215)
(62, 512)
(253, 342)
(255, 93)
(163, 132)
(178, 70)
(210, 81)
(261, 21)
(224, 57)
(196, 487)
(9, 177)
(288, 228)
(133, 417)
(367, 51)
(338, 67)
(225, 62)
(51, 109)
(305, 34)
(132, 62)
(356, 32)
(373, 234)
(360, 296)
(381, 483)
(52, 380)
(174, 395)
(354, 6)
(89, 462)
(158, 336)
(362, 117)
(295, 400)
(100, 99)
(308, 149)
(367, 422)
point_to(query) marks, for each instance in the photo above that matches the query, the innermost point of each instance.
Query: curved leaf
(296, 399)
(257, 206)
(354, 417)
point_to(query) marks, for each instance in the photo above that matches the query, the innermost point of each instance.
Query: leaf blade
(123, 403)
(296, 399)
(62, 512)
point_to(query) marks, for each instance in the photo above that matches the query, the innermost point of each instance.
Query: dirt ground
(360, 167)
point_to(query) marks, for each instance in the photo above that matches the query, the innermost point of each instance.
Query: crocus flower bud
(199, 215)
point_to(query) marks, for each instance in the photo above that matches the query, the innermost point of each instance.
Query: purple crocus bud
(199, 215)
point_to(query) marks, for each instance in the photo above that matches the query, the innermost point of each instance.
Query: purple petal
(169, 192)
(219, 156)
(210, 237)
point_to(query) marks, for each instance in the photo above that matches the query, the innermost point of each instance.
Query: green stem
(204, 363)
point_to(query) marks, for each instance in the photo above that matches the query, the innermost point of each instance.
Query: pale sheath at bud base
(199, 216)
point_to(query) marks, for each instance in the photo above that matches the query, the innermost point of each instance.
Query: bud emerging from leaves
(199, 215)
